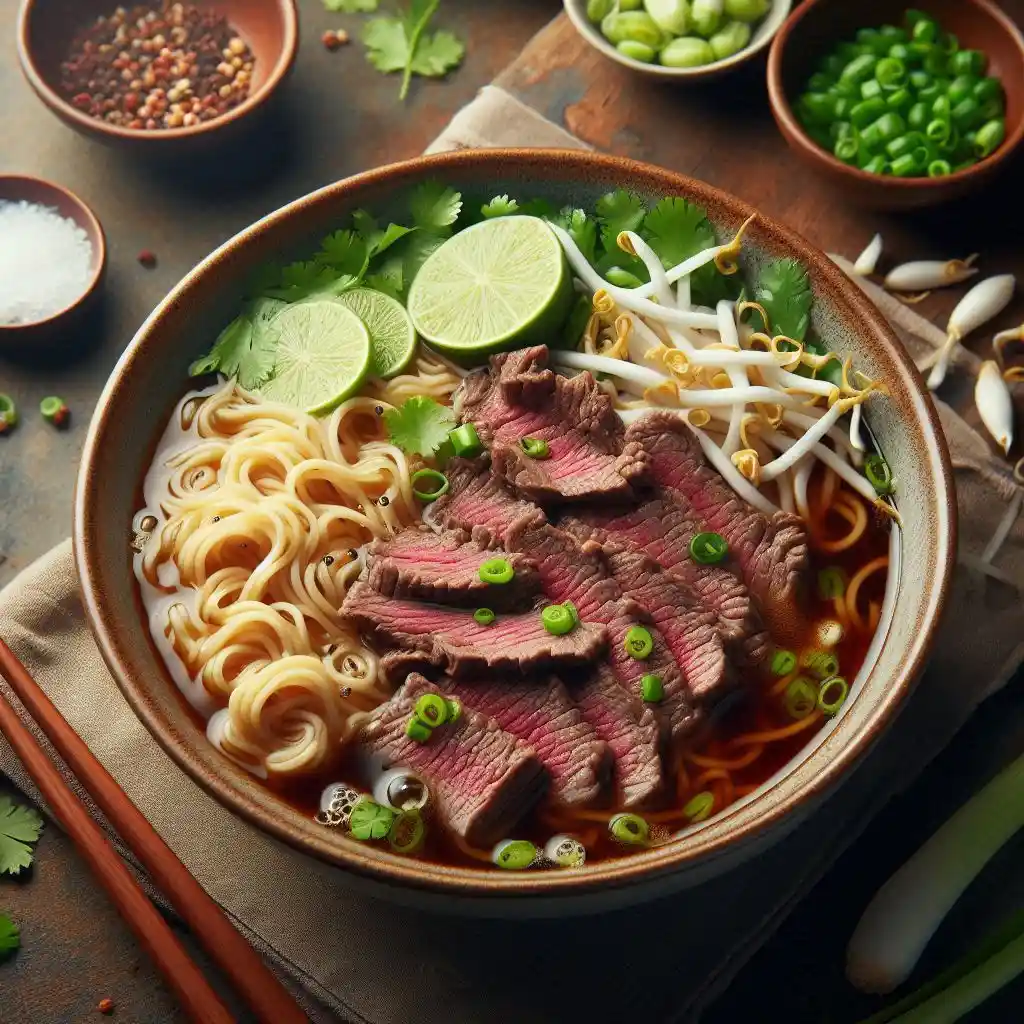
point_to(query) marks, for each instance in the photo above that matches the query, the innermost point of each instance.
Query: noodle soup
(532, 609)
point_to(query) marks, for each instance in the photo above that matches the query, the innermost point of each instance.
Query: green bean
(968, 62)
(870, 89)
(732, 37)
(747, 10)
(866, 111)
(917, 116)
(890, 72)
(961, 88)
(859, 68)
(637, 51)
(900, 99)
(966, 114)
(689, 52)
(637, 26)
(988, 88)
(989, 138)
(939, 169)
(598, 10)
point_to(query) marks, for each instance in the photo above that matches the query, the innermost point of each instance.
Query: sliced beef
(479, 502)
(662, 527)
(452, 640)
(689, 629)
(445, 568)
(630, 729)
(543, 715)
(771, 552)
(482, 779)
(520, 397)
(568, 573)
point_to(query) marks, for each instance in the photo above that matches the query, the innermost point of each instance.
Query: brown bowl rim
(608, 875)
(53, 99)
(794, 131)
(90, 223)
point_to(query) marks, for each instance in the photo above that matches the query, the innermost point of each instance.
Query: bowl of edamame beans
(679, 40)
(900, 107)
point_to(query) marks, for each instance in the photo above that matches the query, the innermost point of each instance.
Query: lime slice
(392, 336)
(323, 355)
(500, 284)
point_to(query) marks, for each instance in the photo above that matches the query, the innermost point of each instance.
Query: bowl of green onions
(900, 107)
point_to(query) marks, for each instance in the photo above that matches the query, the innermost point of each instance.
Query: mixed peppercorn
(155, 69)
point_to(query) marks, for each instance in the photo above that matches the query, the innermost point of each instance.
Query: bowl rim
(794, 131)
(53, 99)
(607, 876)
(586, 28)
(88, 222)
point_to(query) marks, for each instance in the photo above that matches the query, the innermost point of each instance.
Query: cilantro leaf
(621, 211)
(537, 208)
(246, 348)
(377, 239)
(388, 237)
(499, 206)
(389, 277)
(417, 250)
(303, 278)
(581, 229)
(351, 6)
(677, 229)
(257, 364)
(10, 937)
(419, 425)
(19, 829)
(228, 350)
(785, 292)
(437, 54)
(435, 207)
(387, 47)
(346, 252)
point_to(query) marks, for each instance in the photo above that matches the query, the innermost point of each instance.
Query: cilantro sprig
(19, 829)
(419, 425)
(10, 937)
(784, 291)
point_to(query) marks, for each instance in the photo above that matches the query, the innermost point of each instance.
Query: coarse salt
(45, 262)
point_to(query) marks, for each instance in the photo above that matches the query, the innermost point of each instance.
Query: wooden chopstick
(252, 979)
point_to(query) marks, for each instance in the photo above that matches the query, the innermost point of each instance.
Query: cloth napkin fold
(377, 963)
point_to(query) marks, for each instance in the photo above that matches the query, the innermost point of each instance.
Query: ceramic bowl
(151, 377)
(816, 27)
(18, 339)
(45, 31)
(763, 34)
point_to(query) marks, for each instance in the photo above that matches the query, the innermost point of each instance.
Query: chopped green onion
(622, 278)
(417, 731)
(407, 832)
(708, 548)
(638, 643)
(904, 166)
(968, 62)
(435, 480)
(831, 582)
(966, 114)
(54, 410)
(454, 709)
(960, 88)
(876, 469)
(917, 116)
(369, 820)
(948, 43)
(652, 689)
(871, 89)
(535, 448)
(465, 441)
(630, 828)
(939, 169)
(846, 149)
(801, 698)
(832, 694)
(859, 68)
(484, 616)
(900, 100)
(514, 854)
(886, 128)
(926, 30)
(904, 144)
(877, 165)
(558, 619)
(8, 413)
(783, 662)
(699, 807)
(497, 570)
(571, 609)
(863, 113)
(821, 664)
(988, 89)
(890, 72)
(989, 138)
(431, 710)
(938, 131)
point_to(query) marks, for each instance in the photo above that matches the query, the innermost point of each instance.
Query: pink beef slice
(482, 780)
(771, 551)
(662, 527)
(422, 565)
(451, 640)
(519, 397)
(543, 715)
(568, 573)
(630, 729)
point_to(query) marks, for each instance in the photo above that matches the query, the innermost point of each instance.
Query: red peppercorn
(105, 1006)
(147, 258)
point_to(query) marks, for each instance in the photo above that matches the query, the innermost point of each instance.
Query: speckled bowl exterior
(25, 339)
(151, 377)
(763, 34)
(816, 27)
(269, 27)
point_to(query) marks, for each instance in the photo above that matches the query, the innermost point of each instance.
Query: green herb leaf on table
(435, 207)
(387, 48)
(499, 206)
(351, 6)
(438, 54)
(10, 937)
(419, 425)
(785, 292)
(19, 829)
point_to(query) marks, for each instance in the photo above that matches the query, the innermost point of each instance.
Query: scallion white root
(924, 275)
(867, 261)
(901, 919)
(995, 404)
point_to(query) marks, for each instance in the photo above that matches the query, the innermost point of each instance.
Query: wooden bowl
(152, 375)
(14, 338)
(269, 27)
(763, 35)
(816, 27)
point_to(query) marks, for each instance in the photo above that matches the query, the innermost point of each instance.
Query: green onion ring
(431, 476)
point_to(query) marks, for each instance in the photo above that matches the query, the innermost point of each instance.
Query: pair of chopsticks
(253, 981)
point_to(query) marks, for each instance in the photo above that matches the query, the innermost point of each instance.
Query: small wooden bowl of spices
(52, 258)
(160, 78)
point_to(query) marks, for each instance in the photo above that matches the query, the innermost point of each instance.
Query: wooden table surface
(342, 119)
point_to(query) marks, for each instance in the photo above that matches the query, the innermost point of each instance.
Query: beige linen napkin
(381, 964)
